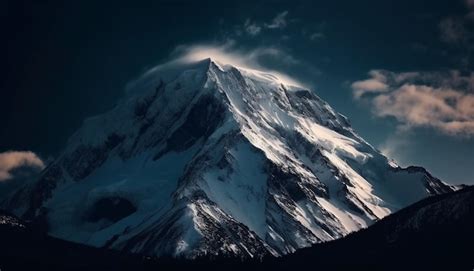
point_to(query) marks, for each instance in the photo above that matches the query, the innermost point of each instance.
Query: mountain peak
(208, 158)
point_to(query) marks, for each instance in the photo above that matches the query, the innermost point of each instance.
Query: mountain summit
(206, 158)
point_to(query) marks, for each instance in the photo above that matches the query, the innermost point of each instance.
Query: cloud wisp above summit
(227, 54)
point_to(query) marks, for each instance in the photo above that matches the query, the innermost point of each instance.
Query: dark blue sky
(66, 61)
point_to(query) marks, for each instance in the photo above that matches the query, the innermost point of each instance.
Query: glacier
(206, 158)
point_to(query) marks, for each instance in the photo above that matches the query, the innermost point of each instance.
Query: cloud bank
(13, 160)
(443, 101)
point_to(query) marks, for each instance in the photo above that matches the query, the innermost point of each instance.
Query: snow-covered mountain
(207, 158)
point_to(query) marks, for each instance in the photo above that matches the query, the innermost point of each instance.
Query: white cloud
(416, 105)
(444, 101)
(12, 160)
(279, 21)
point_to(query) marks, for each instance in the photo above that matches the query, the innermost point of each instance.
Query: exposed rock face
(215, 159)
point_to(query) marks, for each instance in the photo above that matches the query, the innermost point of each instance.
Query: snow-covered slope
(207, 158)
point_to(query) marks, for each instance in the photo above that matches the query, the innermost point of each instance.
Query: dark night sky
(67, 60)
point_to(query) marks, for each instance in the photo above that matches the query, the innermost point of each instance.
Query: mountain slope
(204, 158)
(435, 233)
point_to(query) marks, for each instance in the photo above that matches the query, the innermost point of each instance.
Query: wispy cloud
(470, 3)
(13, 160)
(470, 6)
(252, 28)
(441, 100)
(377, 83)
(317, 36)
(229, 53)
(279, 21)
(453, 30)
(457, 29)
(395, 146)
(457, 32)
(316, 32)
